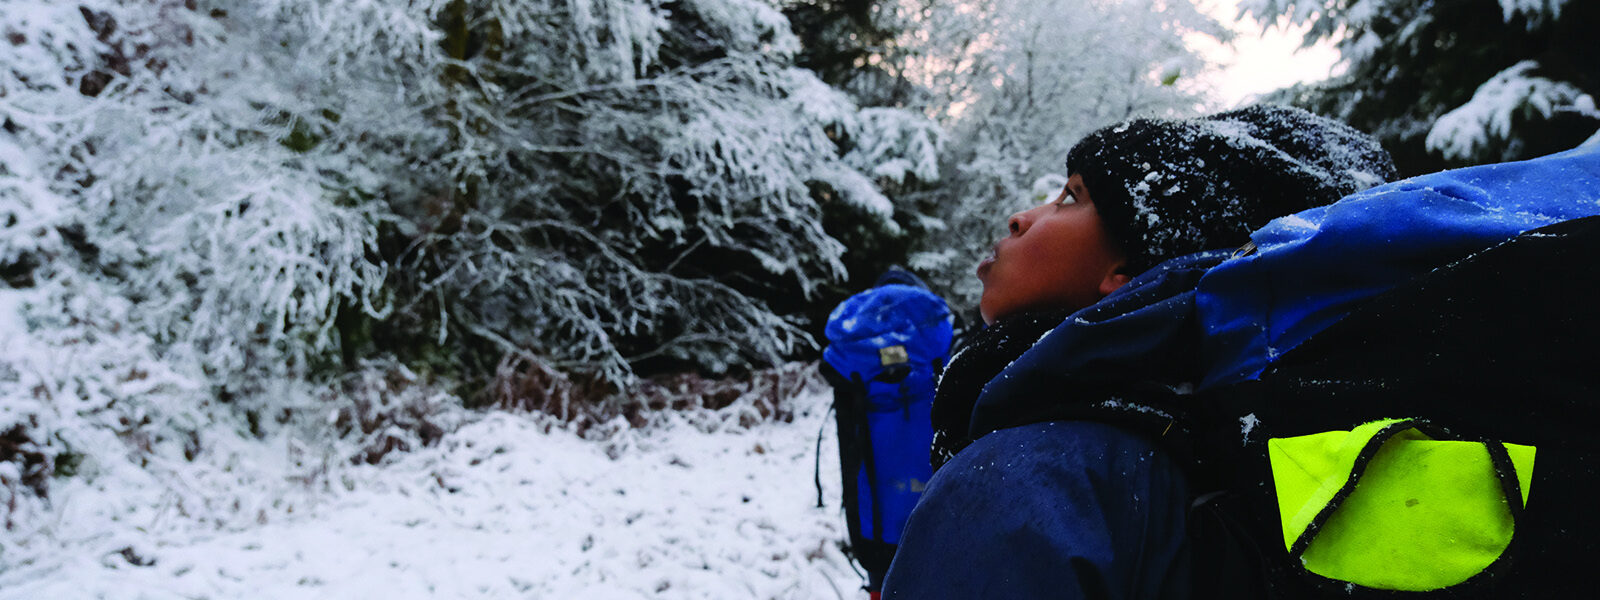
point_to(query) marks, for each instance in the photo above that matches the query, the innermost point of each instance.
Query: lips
(988, 262)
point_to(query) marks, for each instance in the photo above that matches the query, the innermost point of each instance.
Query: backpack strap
(835, 380)
(816, 468)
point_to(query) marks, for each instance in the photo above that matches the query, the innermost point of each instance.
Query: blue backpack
(886, 346)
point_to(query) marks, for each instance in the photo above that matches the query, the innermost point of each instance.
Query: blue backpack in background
(886, 347)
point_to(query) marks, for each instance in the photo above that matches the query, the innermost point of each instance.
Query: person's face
(1058, 255)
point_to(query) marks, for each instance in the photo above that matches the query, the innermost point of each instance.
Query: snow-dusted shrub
(758, 397)
(170, 257)
(84, 390)
(386, 407)
(84, 393)
(525, 383)
(710, 403)
(709, 406)
(164, 142)
(25, 469)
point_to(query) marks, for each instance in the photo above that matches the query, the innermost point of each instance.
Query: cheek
(1061, 269)
(1026, 278)
(1000, 290)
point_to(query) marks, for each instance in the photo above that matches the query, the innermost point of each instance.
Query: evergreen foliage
(1449, 84)
(854, 47)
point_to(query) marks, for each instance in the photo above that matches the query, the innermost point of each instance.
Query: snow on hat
(1165, 188)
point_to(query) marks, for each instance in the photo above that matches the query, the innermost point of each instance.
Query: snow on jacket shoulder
(1062, 509)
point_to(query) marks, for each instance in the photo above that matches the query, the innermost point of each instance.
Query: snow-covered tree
(171, 247)
(599, 185)
(211, 205)
(163, 148)
(1447, 84)
(628, 183)
(853, 46)
(1017, 82)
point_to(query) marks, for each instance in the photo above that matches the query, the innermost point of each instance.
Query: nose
(1019, 222)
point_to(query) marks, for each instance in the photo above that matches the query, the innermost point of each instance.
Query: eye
(1066, 199)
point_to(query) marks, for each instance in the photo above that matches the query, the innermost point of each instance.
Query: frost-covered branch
(1466, 130)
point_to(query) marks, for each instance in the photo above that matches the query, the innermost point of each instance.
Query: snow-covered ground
(504, 507)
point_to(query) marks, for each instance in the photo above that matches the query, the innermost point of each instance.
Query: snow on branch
(1536, 11)
(1514, 92)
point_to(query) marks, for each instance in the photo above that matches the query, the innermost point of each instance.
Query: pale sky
(1261, 62)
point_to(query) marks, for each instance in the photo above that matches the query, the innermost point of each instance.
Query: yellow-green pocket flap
(1310, 469)
(1423, 514)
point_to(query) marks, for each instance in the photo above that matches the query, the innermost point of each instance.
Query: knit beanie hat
(1165, 188)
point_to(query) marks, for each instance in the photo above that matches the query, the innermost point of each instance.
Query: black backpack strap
(834, 379)
(816, 469)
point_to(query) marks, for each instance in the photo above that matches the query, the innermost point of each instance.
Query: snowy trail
(502, 509)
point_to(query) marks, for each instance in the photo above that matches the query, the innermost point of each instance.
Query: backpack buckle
(893, 355)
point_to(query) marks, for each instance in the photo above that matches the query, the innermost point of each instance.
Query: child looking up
(1063, 486)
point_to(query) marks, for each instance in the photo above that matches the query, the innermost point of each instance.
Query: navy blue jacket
(1065, 491)
(1062, 509)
